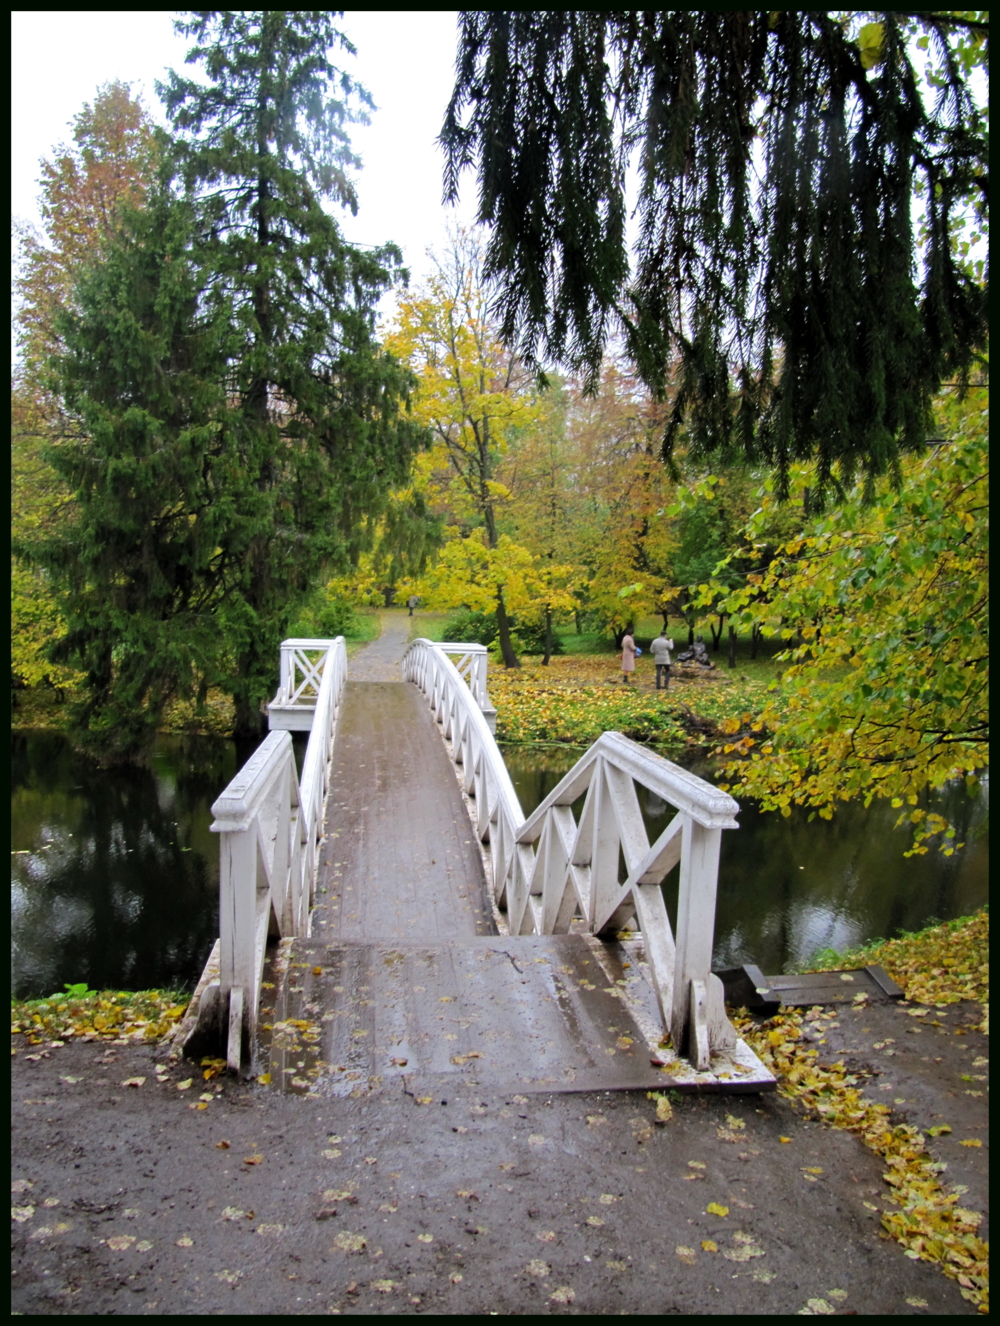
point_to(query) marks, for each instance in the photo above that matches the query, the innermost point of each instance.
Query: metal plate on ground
(833, 987)
(529, 1014)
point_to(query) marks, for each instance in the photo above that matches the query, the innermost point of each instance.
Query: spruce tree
(148, 552)
(259, 147)
(231, 424)
(778, 294)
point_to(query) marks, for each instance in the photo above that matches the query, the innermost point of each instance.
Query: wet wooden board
(525, 1014)
(400, 860)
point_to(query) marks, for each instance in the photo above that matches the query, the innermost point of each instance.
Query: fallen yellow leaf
(970, 1141)
(664, 1110)
(709, 1245)
(713, 1208)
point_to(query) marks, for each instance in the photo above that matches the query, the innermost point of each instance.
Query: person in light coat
(661, 657)
(629, 652)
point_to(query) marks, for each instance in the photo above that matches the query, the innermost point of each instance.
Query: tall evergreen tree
(234, 417)
(779, 157)
(259, 147)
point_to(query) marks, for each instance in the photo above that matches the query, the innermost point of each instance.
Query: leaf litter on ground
(941, 965)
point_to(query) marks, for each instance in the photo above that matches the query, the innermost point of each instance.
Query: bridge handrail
(270, 825)
(426, 662)
(549, 869)
(471, 664)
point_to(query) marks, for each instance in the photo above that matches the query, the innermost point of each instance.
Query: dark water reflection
(788, 887)
(114, 874)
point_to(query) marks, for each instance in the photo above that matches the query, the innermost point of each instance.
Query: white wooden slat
(721, 1032)
(695, 914)
(698, 1048)
(658, 942)
(631, 829)
(604, 852)
(657, 862)
(234, 1042)
(559, 900)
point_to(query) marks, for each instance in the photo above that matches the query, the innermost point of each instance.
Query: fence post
(699, 873)
(237, 919)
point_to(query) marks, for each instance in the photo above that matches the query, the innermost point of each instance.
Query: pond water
(115, 876)
(788, 888)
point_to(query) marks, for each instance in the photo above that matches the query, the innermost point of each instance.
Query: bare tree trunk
(732, 645)
(510, 659)
(716, 634)
(755, 634)
(548, 637)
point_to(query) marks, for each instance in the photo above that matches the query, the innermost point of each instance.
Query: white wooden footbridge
(399, 877)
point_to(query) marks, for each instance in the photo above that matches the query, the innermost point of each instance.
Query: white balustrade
(471, 662)
(302, 663)
(270, 827)
(550, 869)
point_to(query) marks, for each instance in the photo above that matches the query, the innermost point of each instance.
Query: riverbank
(577, 697)
(47, 708)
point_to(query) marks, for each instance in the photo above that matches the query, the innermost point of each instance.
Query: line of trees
(206, 428)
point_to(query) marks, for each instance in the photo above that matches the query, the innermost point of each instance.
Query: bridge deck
(400, 861)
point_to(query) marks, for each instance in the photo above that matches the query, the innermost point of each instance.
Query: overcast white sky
(406, 60)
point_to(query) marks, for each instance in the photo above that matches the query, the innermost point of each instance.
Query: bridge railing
(550, 870)
(270, 826)
(302, 665)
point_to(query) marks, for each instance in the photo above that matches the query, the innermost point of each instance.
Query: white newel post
(699, 872)
(237, 918)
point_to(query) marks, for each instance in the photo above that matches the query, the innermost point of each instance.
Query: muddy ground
(262, 1202)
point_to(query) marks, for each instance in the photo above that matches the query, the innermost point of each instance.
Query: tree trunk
(576, 614)
(732, 645)
(755, 634)
(250, 723)
(510, 659)
(666, 619)
(716, 634)
(548, 637)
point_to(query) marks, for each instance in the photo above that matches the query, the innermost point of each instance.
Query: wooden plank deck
(400, 861)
